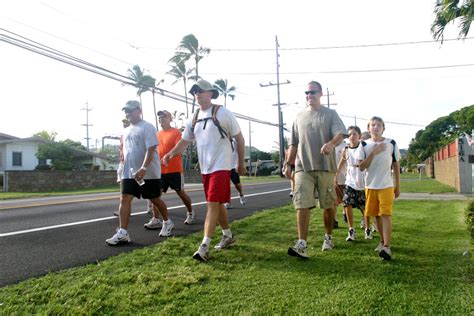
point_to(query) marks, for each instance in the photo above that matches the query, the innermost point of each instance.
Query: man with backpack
(212, 127)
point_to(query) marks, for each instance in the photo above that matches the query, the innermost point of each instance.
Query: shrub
(470, 217)
(43, 167)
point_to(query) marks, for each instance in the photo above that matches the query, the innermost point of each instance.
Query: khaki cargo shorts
(313, 185)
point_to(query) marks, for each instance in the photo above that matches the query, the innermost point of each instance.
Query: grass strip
(428, 275)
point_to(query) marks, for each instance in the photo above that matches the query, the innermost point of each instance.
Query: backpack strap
(215, 108)
(393, 152)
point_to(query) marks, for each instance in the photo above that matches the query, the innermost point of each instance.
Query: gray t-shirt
(136, 140)
(311, 130)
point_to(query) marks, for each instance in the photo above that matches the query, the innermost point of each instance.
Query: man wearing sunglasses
(315, 133)
(215, 160)
(141, 172)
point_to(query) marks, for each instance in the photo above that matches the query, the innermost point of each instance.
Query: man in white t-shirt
(212, 127)
(141, 173)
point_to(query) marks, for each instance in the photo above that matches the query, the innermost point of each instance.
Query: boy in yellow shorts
(379, 156)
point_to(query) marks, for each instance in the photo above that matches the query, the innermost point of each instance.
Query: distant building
(19, 154)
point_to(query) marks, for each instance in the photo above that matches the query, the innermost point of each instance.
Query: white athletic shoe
(190, 217)
(118, 238)
(166, 229)
(153, 223)
(228, 205)
(242, 200)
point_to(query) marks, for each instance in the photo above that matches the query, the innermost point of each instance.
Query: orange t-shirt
(166, 141)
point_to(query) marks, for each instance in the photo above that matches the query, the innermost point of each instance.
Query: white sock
(166, 222)
(227, 232)
(123, 231)
(328, 237)
(302, 242)
(206, 241)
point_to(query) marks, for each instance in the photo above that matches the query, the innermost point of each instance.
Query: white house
(20, 154)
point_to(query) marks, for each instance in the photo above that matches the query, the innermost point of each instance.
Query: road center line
(32, 230)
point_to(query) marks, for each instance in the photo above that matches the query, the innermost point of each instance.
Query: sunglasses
(130, 110)
(312, 92)
(199, 90)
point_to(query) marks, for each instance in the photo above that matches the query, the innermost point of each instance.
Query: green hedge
(470, 217)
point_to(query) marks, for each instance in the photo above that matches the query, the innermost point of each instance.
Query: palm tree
(179, 71)
(224, 89)
(188, 49)
(178, 117)
(449, 10)
(48, 136)
(143, 83)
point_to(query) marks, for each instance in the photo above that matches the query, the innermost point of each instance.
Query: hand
(379, 148)
(327, 148)
(140, 174)
(286, 171)
(241, 170)
(166, 158)
(397, 192)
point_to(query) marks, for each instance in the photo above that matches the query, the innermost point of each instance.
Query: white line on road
(26, 231)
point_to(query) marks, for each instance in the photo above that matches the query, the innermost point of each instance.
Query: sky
(341, 44)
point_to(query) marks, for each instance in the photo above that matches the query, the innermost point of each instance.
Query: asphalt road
(42, 235)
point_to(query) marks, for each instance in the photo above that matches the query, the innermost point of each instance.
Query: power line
(57, 55)
(342, 71)
(333, 47)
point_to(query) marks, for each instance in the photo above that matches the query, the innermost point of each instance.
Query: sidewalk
(436, 196)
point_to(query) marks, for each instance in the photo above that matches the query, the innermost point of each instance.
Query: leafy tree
(48, 136)
(73, 144)
(61, 155)
(439, 133)
(448, 11)
(224, 89)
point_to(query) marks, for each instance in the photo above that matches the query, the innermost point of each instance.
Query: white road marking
(32, 230)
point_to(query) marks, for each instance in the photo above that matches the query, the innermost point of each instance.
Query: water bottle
(140, 182)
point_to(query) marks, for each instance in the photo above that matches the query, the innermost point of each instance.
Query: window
(16, 159)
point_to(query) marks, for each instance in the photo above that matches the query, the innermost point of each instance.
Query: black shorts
(150, 190)
(354, 198)
(234, 177)
(171, 180)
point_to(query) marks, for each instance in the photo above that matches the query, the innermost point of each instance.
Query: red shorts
(216, 186)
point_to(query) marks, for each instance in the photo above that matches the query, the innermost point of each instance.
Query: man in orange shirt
(172, 173)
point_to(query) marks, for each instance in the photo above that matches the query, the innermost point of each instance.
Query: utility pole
(280, 114)
(329, 102)
(87, 123)
(250, 149)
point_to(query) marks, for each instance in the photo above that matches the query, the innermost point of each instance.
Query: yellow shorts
(311, 185)
(379, 202)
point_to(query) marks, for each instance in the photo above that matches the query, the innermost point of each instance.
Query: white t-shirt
(379, 173)
(354, 177)
(235, 154)
(136, 140)
(214, 152)
(341, 176)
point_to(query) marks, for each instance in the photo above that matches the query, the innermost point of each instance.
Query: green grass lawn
(425, 185)
(429, 275)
